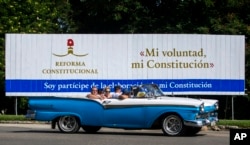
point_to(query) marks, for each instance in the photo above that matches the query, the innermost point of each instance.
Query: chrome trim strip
(109, 106)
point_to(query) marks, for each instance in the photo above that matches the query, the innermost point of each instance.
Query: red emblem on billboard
(70, 44)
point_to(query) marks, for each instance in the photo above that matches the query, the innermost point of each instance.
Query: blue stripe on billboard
(186, 85)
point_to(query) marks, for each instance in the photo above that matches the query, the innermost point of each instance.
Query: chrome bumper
(30, 114)
(203, 122)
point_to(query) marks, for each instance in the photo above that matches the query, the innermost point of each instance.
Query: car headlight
(202, 107)
(216, 105)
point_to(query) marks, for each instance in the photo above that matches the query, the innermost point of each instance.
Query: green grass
(13, 118)
(239, 123)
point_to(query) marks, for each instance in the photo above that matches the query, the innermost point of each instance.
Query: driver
(117, 93)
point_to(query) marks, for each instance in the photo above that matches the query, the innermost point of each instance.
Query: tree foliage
(162, 16)
(31, 16)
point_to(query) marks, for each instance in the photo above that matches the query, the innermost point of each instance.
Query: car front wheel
(68, 124)
(172, 125)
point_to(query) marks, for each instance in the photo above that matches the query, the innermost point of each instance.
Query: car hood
(181, 100)
(207, 102)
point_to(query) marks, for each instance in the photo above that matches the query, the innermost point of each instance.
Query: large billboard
(70, 64)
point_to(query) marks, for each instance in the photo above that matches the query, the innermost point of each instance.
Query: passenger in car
(107, 94)
(94, 94)
(117, 93)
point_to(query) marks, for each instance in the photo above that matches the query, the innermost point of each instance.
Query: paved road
(41, 134)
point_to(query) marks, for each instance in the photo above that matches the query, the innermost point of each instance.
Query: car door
(127, 113)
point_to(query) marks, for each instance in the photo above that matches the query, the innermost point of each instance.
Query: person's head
(118, 89)
(107, 90)
(94, 90)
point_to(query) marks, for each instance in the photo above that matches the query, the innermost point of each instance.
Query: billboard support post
(232, 107)
(16, 106)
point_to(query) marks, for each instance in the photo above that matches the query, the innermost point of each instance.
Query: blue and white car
(147, 108)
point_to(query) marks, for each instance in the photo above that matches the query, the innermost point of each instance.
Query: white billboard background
(217, 61)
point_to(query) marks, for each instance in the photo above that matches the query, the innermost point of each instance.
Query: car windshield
(149, 90)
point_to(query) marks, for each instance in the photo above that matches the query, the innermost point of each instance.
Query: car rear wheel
(68, 124)
(91, 129)
(172, 125)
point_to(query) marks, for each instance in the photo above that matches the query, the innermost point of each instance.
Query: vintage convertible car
(147, 108)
